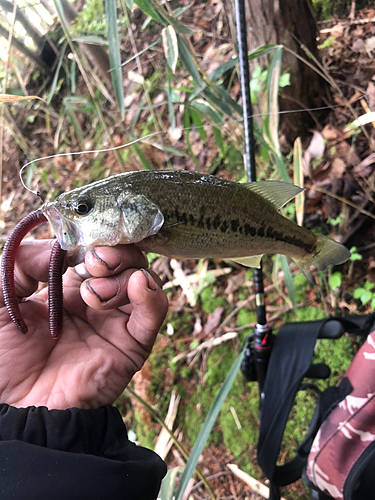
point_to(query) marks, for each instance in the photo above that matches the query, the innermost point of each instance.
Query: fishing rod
(259, 344)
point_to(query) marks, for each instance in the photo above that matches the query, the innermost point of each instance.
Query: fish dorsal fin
(276, 192)
(253, 261)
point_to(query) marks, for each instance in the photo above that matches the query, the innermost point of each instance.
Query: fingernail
(150, 280)
(111, 261)
(104, 289)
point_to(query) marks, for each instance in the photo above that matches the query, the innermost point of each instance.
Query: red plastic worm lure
(55, 302)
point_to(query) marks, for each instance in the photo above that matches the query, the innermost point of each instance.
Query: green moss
(337, 354)
(182, 323)
(300, 282)
(145, 435)
(209, 301)
(245, 317)
(242, 400)
(308, 313)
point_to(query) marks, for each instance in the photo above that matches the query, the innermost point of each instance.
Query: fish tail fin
(329, 253)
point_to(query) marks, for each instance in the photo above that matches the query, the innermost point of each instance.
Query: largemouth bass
(188, 215)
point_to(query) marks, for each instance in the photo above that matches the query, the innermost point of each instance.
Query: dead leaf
(174, 134)
(316, 148)
(213, 321)
(338, 167)
(16, 98)
(337, 30)
(331, 133)
(366, 166)
(370, 43)
(359, 45)
(135, 77)
(370, 91)
(234, 283)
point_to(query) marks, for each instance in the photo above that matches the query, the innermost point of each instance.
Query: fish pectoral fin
(276, 192)
(253, 261)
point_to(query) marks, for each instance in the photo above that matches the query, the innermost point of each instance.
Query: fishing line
(91, 151)
(153, 134)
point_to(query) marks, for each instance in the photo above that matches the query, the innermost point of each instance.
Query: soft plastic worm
(7, 265)
(55, 290)
(55, 297)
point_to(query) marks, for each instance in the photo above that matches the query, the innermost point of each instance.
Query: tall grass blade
(69, 105)
(288, 280)
(204, 110)
(197, 120)
(92, 39)
(298, 179)
(271, 121)
(220, 104)
(207, 427)
(219, 140)
(141, 156)
(73, 83)
(141, 52)
(189, 113)
(56, 75)
(281, 167)
(149, 9)
(273, 100)
(179, 27)
(168, 484)
(170, 46)
(181, 10)
(253, 54)
(172, 118)
(114, 54)
(139, 110)
(187, 61)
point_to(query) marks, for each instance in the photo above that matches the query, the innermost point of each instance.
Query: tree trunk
(292, 24)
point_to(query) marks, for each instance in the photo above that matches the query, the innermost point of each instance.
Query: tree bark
(292, 24)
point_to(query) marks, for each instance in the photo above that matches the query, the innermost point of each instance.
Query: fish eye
(83, 207)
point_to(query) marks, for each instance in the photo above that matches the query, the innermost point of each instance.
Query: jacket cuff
(73, 454)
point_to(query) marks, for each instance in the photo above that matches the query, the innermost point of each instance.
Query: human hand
(110, 325)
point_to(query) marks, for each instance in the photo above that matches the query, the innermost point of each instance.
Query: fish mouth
(67, 234)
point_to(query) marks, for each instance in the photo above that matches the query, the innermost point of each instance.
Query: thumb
(149, 307)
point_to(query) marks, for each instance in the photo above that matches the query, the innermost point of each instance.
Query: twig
(208, 344)
(242, 304)
(255, 485)
(345, 23)
(164, 441)
(339, 198)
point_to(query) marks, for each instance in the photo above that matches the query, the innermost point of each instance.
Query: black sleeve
(73, 454)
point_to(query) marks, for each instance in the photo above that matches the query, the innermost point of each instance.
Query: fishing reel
(248, 368)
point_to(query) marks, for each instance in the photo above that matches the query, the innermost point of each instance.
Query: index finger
(107, 261)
